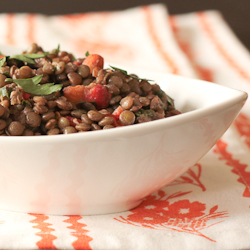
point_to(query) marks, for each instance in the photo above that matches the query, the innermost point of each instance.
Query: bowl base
(76, 210)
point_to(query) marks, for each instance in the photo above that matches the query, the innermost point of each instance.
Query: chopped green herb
(4, 91)
(35, 55)
(23, 58)
(73, 57)
(94, 103)
(147, 112)
(29, 58)
(54, 51)
(2, 61)
(87, 54)
(32, 86)
(37, 79)
(126, 73)
(160, 93)
(6, 73)
(170, 100)
(122, 70)
(26, 103)
(163, 95)
(57, 49)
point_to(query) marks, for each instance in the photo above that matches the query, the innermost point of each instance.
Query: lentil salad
(50, 93)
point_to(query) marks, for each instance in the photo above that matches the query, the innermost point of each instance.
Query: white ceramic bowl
(113, 170)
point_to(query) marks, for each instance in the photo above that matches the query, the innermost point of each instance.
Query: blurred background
(235, 12)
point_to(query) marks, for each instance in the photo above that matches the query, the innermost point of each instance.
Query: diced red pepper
(116, 113)
(94, 61)
(100, 95)
(95, 93)
(74, 94)
(26, 96)
(117, 122)
(76, 63)
(72, 120)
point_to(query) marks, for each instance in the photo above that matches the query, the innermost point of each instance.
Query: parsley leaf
(26, 103)
(170, 100)
(126, 73)
(57, 49)
(29, 58)
(147, 112)
(36, 79)
(87, 54)
(160, 93)
(32, 86)
(4, 91)
(23, 58)
(122, 70)
(2, 61)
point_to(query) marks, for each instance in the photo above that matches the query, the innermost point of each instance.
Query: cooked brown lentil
(126, 102)
(16, 128)
(83, 71)
(28, 132)
(2, 80)
(107, 120)
(69, 130)
(83, 126)
(2, 110)
(108, 127)
(127, 117)
(94, 115)
(74, 78)
(33, 119)
(3, 124)
(95, 126)
(53, 131)
(63, 122)
(24, 72)
(98, 98)
(50, 124)
(47, 116)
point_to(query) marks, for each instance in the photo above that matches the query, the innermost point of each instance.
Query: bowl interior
(192, 94)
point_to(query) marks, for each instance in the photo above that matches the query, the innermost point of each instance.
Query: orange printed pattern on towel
(204, 21)
(83, 239)
(160, 212)
(242, 124)
(45, 232)
(237, 167)
(203, 73)
(99, 46)
(10, 29)
(93, 38)
(30, 28)
(156, 40)
(192, 177)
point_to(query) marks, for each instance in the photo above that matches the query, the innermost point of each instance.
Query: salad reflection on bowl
(112, 170)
